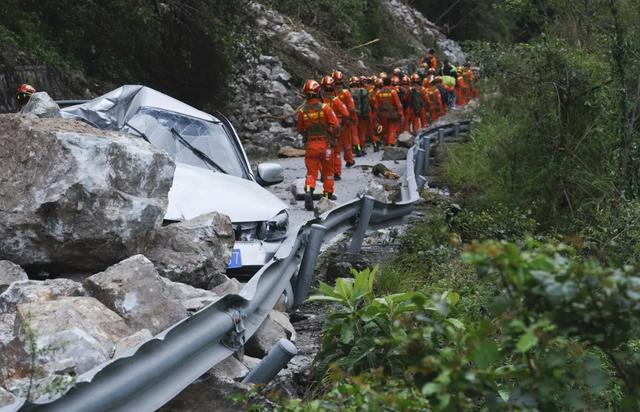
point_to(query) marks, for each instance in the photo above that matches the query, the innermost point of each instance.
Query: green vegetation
(185, 48)
(527, 297)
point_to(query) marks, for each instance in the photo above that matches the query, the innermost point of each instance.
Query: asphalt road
(354, 181)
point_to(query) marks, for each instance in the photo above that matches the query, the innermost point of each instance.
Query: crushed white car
(212, 170)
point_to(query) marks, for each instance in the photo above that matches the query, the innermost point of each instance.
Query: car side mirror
(269, 174)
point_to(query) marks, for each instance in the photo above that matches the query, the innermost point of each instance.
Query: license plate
(236, 259)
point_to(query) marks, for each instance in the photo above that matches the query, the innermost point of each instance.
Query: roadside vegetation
(527, 296)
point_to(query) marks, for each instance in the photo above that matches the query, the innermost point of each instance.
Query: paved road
(353, 181)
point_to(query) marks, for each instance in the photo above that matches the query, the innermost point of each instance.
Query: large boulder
(41, 105)
(273, 329)
(193, 299)
(38, 291)
(74, 197)
(57, 340)
(9, 273)
(134, 290)
(195, 251)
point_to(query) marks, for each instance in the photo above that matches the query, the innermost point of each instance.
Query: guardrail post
(366, 209)
(420, 159)
(308, 264)
(440, 135)
(426, 146)
(270, 365)
(456, 129)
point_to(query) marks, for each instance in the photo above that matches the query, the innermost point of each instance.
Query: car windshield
(166, 130)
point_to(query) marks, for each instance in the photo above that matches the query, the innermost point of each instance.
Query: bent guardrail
(157, 370)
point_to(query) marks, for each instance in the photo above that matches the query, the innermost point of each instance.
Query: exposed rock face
(394, 153)
(194, 251)
(134, 290)
(71, 335)
(75, 197)
(41, 105)
(9, 273)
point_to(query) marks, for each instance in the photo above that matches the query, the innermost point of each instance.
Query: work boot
(376, 147)
(330, 196)
(308, 200)
(337, 177)
(350, 164)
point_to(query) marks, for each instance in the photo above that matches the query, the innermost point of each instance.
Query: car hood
(197, 191)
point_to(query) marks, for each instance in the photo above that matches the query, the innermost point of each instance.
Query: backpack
(361, 99)
(416, 100)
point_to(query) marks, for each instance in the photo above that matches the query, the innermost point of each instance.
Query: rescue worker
(24, 94)
(449, 83)
(405, 99)
(318, 125)
(422, 71)
(470, 78)
(389, 110)
(362, 102)
(443, 94)
(462, 89)
(430, 60)
(350, 128)
(416, 105)
(342, 113)
(434, 100)
(375, 128)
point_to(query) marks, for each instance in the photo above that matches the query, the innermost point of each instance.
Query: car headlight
(246, 232)
(276, 228)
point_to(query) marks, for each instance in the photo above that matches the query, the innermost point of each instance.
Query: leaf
(453, 298)
(485, 354)
(430, 388)
(323, 298)
(526, 342)
(456, 323)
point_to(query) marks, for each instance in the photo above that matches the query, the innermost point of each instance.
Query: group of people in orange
(338, 117)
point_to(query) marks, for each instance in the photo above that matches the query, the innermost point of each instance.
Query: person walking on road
(362, 102)
(341, 111)
(318, 125)
(350, 128)
(389, 110)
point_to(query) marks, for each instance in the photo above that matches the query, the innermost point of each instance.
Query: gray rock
(406, 140)
(323, 206)
(32, 291)
(394, 153)
(41, 105)
(6, 397)
(278, 88)
(377, 191)
(74, 196)
(232, 286)
(282, 319)
(195, 251)
(193, 299)
(288, 110)
(9, 273)
(134, 290)
(126, 344)
(276, 110)
(269, 333)
(230, 370)
(6, 327)
(72, 334)
(264, 71)
(271, 60)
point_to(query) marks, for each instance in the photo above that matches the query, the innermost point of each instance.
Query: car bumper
(253, 256)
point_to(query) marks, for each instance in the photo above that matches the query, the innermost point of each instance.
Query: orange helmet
(415, 78)
(383, 75)
(405, 80)
(355, 81)
(24, 93)
(328, 83)
(379, 82)
(311, 88)
(395, 81)
(338, 76)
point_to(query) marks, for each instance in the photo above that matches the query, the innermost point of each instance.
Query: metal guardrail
(154, 372)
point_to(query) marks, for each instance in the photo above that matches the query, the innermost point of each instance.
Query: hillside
(248, 60)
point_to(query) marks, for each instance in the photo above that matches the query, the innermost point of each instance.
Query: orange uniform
(318, 123)
(363, 109)
(373, 118)
(344, 118)
(389, 109)
(434, 99)
(462, 91)
(350, 128)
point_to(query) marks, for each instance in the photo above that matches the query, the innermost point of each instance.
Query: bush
(562, 335)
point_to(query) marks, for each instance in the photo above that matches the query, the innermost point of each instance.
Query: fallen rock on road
(76, 198)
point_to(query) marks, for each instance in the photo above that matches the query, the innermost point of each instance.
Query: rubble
(195, 252)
